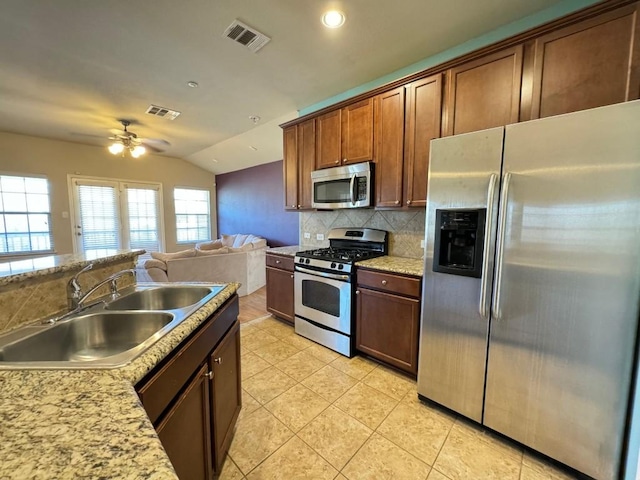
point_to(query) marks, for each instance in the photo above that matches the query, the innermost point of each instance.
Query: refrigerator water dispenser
(459, 240)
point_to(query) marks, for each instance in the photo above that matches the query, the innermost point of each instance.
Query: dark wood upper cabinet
(329, 139)
(357, 132)
(299, 151)
(389, 147)
(226, 396)
(345, 135)
(484, 93)
(306, 162)
(586, 65)
(290, 166)
(422, 124)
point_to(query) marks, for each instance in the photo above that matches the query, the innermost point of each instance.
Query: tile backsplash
(405, 227)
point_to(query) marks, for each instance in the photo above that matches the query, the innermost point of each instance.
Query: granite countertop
(388, 263)
(87, 423)
(290, 250)
(21, 270)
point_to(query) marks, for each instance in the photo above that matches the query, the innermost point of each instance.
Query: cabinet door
(587, 65)
(328, 140)
(357, 132)
(185, 430)
(424, 113)
(387, 328)
(389, 123)
(484, 93)
(290, 153)
(280, 293)
(226, 396)
(306, 162)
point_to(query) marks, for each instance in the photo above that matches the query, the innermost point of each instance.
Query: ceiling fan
(126, 140)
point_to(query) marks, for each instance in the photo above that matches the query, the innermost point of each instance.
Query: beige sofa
(232, 258)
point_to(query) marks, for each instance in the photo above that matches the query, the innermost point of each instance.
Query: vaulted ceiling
(69, 69)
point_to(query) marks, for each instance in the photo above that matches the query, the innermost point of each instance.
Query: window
(112, 215)
(192, 215)
(25, 215)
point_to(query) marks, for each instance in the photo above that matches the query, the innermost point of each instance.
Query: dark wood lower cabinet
(193, 397)
(185, 431)
(388, 318)
(280, 286)
(226, 397)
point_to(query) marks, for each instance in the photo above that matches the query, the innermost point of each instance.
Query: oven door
(324, 298)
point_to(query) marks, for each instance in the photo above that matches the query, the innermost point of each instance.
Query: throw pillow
(206, 253)
(259, 243)
(209, 245)
(173, 256)
(153, 263)
(227, 240)
(240, 240)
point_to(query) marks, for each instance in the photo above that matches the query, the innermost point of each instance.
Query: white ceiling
(70, 68)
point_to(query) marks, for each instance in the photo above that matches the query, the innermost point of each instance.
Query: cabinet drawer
(388, 282)
(277, 261)
(158, 390)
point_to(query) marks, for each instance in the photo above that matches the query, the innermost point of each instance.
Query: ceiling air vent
(245, 35)
(162, 112)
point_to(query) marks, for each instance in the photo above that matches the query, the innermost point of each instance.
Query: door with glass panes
(110, 214)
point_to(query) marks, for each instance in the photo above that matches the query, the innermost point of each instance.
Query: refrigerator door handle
(483, 308)
(502, 213)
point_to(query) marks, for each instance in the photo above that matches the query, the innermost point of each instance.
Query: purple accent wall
(252, 201)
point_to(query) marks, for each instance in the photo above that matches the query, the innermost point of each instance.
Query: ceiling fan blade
(155, 146)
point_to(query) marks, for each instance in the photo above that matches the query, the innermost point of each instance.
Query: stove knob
(333, 265)
(307, 261)
(301, 260)
(340, 267)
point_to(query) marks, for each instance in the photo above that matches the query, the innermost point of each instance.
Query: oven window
(321, 296)
(332, 191)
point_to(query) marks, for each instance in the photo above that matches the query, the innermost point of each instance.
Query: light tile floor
(309, 413)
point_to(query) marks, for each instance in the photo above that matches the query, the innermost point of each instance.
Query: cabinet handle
(344, 160)
(299, 206)
(209, 375)
(384, 282)
(337, 161)
(408, 202)
(291, 276)
(397, 202)
(278, 261)
(293, 206)
(357, 292)
(218, 361)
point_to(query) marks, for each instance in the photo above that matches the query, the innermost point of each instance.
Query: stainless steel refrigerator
(531, 285)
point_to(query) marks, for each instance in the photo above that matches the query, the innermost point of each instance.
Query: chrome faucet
(113, 287)
(74, 290)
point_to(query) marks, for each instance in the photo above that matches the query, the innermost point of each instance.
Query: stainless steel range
(324, 289)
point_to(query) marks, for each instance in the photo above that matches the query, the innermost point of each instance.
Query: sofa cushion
(218, 251)
(153, 263)
(209, 245)
(243, 248)
(240, 240)
(172, 256)
(227, 240)
(259, 243)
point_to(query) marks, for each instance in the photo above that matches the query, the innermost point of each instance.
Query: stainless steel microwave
(350, 186)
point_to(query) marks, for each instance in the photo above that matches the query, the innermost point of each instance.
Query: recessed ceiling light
(214, 160)
(192, 84)
(253, 148)
(333, 19)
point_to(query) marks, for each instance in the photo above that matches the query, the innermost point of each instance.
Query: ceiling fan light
(137, 151)
(116, 148)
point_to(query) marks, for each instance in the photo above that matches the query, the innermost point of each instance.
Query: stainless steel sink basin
(87, 338)
(105, 337)
(162, 298)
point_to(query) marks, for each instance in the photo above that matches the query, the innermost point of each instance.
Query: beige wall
(21, 154)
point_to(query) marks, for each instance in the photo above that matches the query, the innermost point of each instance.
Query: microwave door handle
(352, 188)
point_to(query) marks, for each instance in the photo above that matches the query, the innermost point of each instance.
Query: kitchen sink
(162, 298)
(109, 334)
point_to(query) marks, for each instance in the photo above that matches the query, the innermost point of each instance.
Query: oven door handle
(322, 274)
(352, 188)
